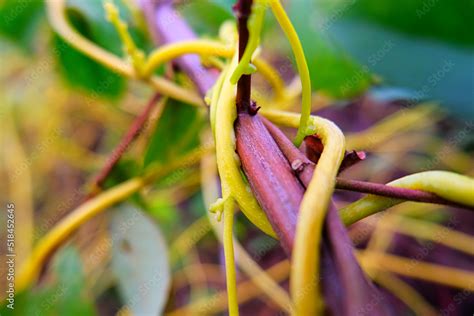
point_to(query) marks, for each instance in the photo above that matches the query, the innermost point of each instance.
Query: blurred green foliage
(19, 21)
(176, 133)
(446, 20)
(66, 295)
(340, 39)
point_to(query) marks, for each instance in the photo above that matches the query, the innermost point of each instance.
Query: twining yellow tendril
(264, 282)
(305, 270)
(231, 281)
(135, 54)
(302, 66)
(30, 269)
(229, 170)
(57, 16)
(216, 92)
(200, 46)
(211, 48)
(448, 185)
(216, 303)
(254, 25)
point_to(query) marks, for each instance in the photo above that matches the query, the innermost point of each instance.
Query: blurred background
(61, 114)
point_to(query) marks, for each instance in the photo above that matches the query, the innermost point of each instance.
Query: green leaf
(429, 69)
(19, 20)
(139, 261)
(80, 70)
(424, 47)
(445, 20)
(329, 65)
(176, 133)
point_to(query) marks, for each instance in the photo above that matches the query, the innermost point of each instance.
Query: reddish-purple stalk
(304, 169)
(205, 78)
(167, 26)
(132, 133)
(274, 184)
(395, 192)
(242, 9)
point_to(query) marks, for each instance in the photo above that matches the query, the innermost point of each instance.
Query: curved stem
(29, 271)
(136, 56)
(302, 66)
(174, 50)
(271, 288)
(57, 17)
(305, 271)
(447, 185)
(253, 25)
(246, 291)
(228, 238)
(125, 142)
(394, 192)
(229, 169)
(243, 10)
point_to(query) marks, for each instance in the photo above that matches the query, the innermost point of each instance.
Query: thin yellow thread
(302, 66)
(305, 270)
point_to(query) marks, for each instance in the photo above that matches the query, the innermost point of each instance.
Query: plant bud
(271, 178)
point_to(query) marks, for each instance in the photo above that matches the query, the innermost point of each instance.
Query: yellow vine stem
(134, 53)
(228, 241)
(227, 160)
(263, 281)
(457, 278)
(216, 92)
(211, 48)
(304, 281)
(199, 46)
(254, 25)
(30, 269)
(448, 185)
(302, 66)
(57, 16)
(406, 293)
